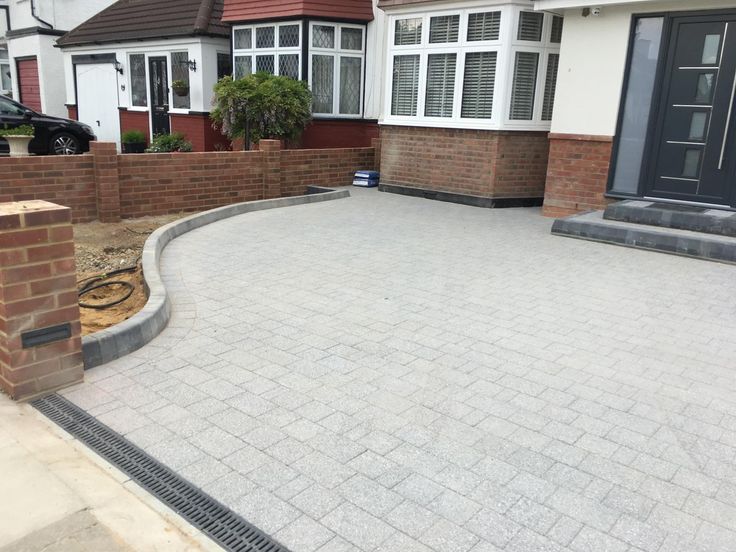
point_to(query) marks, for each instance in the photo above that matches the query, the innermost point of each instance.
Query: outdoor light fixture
(118, 66)
(192, 64)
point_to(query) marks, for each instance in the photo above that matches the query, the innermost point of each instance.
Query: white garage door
(97, 100)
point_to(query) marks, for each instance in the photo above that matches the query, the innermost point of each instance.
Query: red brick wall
(339, 134)
(470, 162)
(322, 167)
(198, 130)
(577, 174)
(155, 184)
(134, 120)
(69, 181)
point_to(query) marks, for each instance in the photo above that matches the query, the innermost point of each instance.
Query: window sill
(467, 125)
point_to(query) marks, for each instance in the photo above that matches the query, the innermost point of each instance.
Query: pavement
(387, 373)
(59, 497)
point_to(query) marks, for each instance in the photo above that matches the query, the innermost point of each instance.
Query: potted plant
(134, 141)
(180, 88)
(18, 139)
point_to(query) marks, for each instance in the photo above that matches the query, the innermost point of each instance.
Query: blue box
(366, 179)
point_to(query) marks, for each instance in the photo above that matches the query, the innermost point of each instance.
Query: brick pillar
(106, 176)
(376, 143)
(271, 168)
(40, 332)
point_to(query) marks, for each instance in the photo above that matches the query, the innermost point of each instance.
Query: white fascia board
(441, 5)
(544, 5)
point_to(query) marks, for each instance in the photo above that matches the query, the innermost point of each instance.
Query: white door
(97, 100)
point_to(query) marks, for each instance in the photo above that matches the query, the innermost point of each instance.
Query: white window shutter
(479, 83)
(405, 86)
(524, 86)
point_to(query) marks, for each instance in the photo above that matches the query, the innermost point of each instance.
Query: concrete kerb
(132, 334)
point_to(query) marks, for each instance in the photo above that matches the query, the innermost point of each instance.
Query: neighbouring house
(645, 104)
(336, 46)
(28, 31)
(122, 63)
(469, 89)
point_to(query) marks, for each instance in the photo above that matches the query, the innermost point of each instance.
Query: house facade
(121, 74)
(645, 104)
(336, 46)
(29, 54)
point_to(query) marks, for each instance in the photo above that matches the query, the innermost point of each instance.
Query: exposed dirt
(104, 247)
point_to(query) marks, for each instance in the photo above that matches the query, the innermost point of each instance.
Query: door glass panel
(711, 49)
(697, 125)
(704, 92)
(638, 104)
(691, 163)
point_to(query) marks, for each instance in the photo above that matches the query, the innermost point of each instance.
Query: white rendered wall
(375, 56)
(592, 64)
(50, 70)
(61, 14)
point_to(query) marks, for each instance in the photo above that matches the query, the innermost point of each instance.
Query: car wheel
(64, 144)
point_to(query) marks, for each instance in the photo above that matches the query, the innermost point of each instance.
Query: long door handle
(728, 125)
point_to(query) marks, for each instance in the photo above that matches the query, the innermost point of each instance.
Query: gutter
(33, 13)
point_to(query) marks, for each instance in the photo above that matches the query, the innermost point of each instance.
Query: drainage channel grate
(221, 524)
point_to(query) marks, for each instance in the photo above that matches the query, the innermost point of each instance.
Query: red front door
(30, 91)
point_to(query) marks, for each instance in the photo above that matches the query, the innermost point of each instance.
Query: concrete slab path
(386, 373)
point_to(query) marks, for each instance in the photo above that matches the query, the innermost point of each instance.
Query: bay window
(493, 67)
(274, 48)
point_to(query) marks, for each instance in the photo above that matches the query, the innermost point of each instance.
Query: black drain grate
(221, 524)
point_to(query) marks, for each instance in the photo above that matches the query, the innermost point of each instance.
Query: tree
(265, 105)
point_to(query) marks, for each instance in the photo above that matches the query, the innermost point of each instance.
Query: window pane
(637, 106)
(289, 36)
(530, 26)
(351, 75)
(323, 82)
(691, 163)
(704, 91)
(405, 85)
(550, 84)
(224, 65)
(323, 36)
(484, 26)
(243, 66)
(180, 72)
(524, 86)
(242, 39)
(408, 31)
(440, 85)
(556, 36)
(711, 49)
(5, 82)
(265, 63)
(444, 28)
(289, 65)
(351, 39)
(698, 121)
(479, 83)
(265, 37)
(138, 88)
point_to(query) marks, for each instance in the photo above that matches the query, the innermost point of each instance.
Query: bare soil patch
(101, 248)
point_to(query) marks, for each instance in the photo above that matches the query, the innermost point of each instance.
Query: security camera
(595, 11)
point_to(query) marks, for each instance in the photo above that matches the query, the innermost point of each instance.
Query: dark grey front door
(159, 84)
(695, 154)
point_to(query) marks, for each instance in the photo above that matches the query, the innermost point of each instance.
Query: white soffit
(562, 4)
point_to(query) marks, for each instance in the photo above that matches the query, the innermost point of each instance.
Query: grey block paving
(384, 373)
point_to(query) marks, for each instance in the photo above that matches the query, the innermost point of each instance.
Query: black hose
(101, 306)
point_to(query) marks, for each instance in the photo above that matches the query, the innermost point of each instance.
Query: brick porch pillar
(40, 332)
(376, 143)
(271, 168)
(106, 175)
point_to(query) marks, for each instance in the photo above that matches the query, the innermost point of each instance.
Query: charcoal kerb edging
(214, 519)
(132, 334)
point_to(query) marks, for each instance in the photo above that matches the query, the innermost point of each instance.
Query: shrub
(22, 130)
(134, 137)
(165, 143)
(268, 106)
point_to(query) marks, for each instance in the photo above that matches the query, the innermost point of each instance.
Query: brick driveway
(390, 373)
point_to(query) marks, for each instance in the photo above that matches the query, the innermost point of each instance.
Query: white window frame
(506, 47)
(337, 53)
(276, 51)
(5, 66)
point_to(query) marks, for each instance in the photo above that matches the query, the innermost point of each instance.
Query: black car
(53, 135)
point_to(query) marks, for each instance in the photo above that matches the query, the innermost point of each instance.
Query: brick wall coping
(580, 137)
(132, 334)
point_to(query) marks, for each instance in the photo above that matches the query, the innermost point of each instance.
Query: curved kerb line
(132, 334)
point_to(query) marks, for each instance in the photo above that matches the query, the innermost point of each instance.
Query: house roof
(128, 20)
(257, 10)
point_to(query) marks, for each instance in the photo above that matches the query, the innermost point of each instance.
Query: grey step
(682, 217)
(592, 226)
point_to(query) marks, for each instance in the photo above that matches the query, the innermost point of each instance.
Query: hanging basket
(180, 90)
